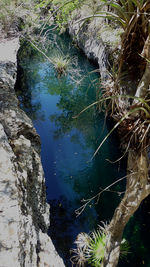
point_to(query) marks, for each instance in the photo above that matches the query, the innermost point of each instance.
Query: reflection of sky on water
(68, 145)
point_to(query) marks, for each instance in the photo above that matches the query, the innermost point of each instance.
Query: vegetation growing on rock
(132, 116)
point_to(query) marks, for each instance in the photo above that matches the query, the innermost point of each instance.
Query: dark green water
(68, 144)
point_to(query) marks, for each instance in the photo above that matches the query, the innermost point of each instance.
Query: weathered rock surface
(24, 214)
(99, 40)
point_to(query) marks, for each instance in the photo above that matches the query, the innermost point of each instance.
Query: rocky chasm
(24, 213)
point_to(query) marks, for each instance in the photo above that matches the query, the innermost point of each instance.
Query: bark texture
(145, 81)
(137, 188)
(92, 39)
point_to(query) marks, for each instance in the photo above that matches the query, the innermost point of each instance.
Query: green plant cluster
(60, 63)
(7, 13)
(64, 10)
(17, 14)
(91, 248)
(43, 3)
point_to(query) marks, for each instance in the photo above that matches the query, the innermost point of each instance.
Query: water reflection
(68, 144)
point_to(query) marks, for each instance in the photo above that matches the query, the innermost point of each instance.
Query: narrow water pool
(68, 143)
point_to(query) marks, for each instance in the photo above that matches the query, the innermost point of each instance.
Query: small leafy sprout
(124, 248)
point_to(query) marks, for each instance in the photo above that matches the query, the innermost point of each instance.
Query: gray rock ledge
(24, 213)
(99, 40)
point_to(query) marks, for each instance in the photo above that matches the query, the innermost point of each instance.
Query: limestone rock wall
(24, 214)
(99, 40)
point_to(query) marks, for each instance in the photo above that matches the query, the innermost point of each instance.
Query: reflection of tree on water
(83, 178)
(72, 101)
(26, 79)
(85, 131)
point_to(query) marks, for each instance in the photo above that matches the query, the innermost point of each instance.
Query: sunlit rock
(24, 213)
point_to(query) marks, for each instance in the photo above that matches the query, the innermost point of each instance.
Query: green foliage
(91, 248)
(60, 63)
(64, 10)
(125, 12)
(42, 4)
(133, 16)
(96, 248)
(125, 248)
(127, 121)
(17, 14)
(7, 13)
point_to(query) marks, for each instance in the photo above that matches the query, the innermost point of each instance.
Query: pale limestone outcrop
(24, 214)
(99, 40)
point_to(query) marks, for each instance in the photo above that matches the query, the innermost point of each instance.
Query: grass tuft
(61, 63)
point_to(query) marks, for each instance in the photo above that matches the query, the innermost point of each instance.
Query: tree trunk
(145, 81)
(137, 188)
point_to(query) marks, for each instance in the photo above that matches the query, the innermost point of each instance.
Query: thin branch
(116, 125)
(123, 153)
(148, 127)
(82, 208)
(38, 49)
(52, 15)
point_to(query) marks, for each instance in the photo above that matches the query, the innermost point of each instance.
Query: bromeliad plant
(133, 122)
(132, 119)
(91, 248)
(61, 63)
(96, 248)
(133, 16)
